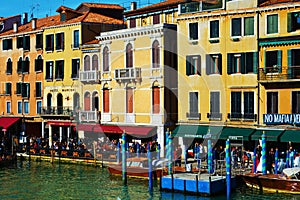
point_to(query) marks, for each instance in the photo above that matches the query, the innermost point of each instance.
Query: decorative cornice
(134, 32)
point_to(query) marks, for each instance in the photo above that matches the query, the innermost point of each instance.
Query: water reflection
(43, 180)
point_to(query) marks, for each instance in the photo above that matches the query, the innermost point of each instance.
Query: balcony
(279, 74)
(128, 74)
(89, 76)
(89, 116)
(57, 110)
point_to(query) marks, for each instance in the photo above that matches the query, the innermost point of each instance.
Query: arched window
(129, 56)
(59, 103)
(95, 62)
(105, 99)
(155, 99)
(105, 59)
(87, 101)
(95, 101)
(155, 54)
(9, 66)
(76, 101)
(87, 63)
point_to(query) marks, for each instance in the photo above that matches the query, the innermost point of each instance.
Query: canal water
(43, 180)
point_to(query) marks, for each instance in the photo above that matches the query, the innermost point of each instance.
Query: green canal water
(43, 180)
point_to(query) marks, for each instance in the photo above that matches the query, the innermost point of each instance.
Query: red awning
(86, 127)
(131, 130)
(61, 123)
(6, 122)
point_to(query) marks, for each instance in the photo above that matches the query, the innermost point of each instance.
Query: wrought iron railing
(276, 73)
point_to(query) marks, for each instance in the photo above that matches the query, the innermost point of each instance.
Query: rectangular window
(272, 102)
(49, 70)
(20, 107)
(8, 88)
(59, 70)
(213, 64)
(273, 61)
(60, 41)
(296, 102)
(75, 68)
(76, 39)
(20, 42)
(132, 23)
(26, 107)
(26, 43)
(249, 26)
(236, 105)
(38, 67)
(193, 31)
(156, 19)
(214, 29)
(293, 21)
(38, 89)
(8, 107)
(249, 105)
(39, 41)
(236, 27)
(26, 90)
(193, 105)
(272, 24)
(7, 44)
(50, 42)
(38, 107)
(193, 65)
(19, 88)
(240, 62)
(215, 105)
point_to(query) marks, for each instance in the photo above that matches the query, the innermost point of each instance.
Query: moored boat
(287, 182)
(136, 167)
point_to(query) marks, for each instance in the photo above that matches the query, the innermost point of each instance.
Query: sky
(41, 8)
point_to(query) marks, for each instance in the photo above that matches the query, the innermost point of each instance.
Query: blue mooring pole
(150, 168)
(254, 161)
(292, 159)
(287, 159)
(228, 168)
(138, 150)
(158, 152)
(118, 152)
(209, 156)
(124, 160)
(276, 162)
(170, 154)
(264, 154)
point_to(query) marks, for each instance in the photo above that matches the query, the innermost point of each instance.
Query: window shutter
(255, 64)
(220, 63)
(208, 64)
(279, 60)
(199, 65)
(290, 61)
(188, 65)
(243, 63)
(229, 63)
(289, 22)
(265, 61)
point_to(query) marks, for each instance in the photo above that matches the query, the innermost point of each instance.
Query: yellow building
(217, 73)
(22, 72)
(63, 58)
(279, 88)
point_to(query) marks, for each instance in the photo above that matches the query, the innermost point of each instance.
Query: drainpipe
(258, 64)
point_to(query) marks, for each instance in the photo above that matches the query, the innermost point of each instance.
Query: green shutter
(229, 63)
(289, 22)
(279, 60)
(243, 63)
(208, 64)
(255, 64)
(290, 61)
(265, 61)
(199, 65)
(220, 63)
(188, 66)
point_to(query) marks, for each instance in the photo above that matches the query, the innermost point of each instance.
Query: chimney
(33, 23)
(133, 5)
(25, 18)
(15, 27)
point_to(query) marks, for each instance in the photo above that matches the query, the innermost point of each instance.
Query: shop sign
(281, 119)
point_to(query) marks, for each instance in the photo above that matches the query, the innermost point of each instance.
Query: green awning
(290, 136)
(190, 131)
(197, 131)
(271, 134)
(281, 42)
(236, 133)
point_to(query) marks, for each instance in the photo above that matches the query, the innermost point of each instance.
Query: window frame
(211, 29)
(276, 30)
(193, 36)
